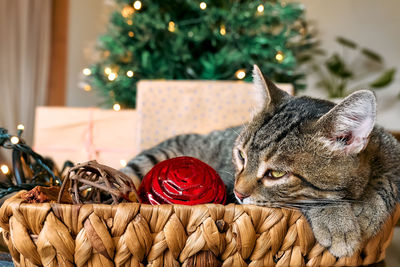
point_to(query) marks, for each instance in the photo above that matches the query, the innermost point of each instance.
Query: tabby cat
(327, 160)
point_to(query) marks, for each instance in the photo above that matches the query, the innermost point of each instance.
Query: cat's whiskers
(235, 132)
(231, 174)
(244, 127)
(299, 204)
(275, 205)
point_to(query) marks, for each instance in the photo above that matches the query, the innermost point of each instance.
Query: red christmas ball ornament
(182, 180)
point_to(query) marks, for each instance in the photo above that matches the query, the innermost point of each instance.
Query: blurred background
(370, 23)
(70, 70)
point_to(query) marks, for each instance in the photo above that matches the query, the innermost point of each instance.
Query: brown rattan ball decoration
(92, 182)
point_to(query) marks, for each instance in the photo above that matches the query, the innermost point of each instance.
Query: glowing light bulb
(112, 76)
(86, 71)
(130, 73)
(87, 88)
(137, 5)
(222, 30)
(279, 56)
(240, 74)
(131, 34)
(260, 8)
(127, 11)
(123, 162)
(107, 70)
(14, 140)
(171, 26)
(20, 127)
(116, 107)
(203, 5)
(5, 169)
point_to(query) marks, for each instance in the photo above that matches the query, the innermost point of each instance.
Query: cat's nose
(240, 195)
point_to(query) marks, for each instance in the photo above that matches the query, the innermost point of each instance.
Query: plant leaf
(304, 58)
(385, 79)
(337, 66)
(371, 55)
(346, 42)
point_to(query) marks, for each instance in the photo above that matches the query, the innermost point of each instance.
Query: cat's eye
(272, 174)
(241, 155)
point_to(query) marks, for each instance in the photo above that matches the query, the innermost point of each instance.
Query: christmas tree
(202, 40)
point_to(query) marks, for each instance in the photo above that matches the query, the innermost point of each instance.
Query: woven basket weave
(170, 235)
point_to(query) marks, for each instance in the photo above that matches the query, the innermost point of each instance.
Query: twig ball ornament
(182, 180)
(92, 182)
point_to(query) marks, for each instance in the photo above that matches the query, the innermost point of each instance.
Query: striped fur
(340, 170)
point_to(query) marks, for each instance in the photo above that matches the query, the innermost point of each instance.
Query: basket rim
(227, 223)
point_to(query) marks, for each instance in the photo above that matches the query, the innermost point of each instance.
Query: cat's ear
(268, 95)
(347, 126)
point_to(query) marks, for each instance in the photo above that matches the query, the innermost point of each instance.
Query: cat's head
(298, 148)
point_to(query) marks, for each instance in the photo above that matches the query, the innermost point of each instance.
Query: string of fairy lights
(24, 160)
(14, 140)
(128, 11)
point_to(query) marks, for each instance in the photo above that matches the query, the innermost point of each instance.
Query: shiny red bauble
(182, 180)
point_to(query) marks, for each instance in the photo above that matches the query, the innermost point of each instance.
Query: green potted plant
(342, 73)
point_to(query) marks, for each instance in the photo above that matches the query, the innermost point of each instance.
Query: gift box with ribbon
(168, 108)
(82, 134)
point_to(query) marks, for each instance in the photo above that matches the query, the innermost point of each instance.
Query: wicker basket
(170, 235)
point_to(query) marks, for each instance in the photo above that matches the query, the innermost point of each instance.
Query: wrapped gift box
(82, 134)
(164, 109)
(168, 108)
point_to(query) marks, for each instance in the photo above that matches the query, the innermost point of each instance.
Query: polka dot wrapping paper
(168, 108)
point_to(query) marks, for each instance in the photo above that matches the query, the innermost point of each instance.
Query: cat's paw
(345, 241)
(336, 229)
(372, 212)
